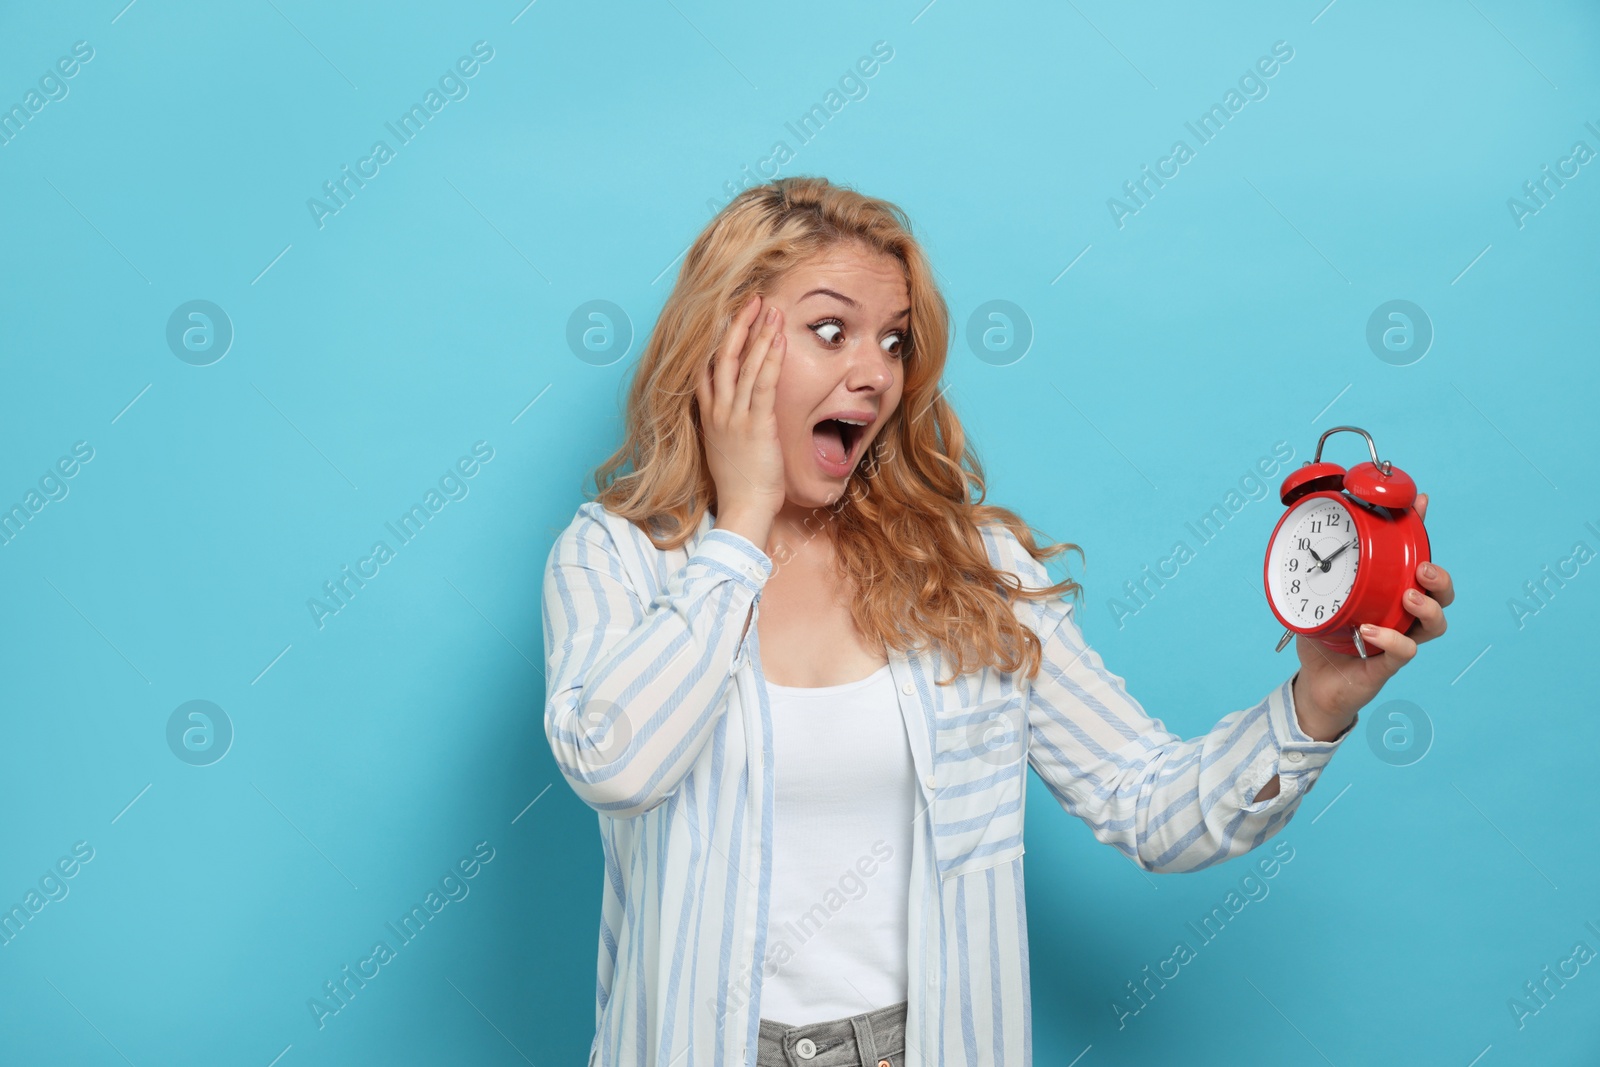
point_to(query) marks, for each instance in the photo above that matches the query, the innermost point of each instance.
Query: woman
(800, 671)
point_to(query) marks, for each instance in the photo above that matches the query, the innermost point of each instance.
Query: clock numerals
(1318, 554)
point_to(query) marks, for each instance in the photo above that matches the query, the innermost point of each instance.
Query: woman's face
(846, 317)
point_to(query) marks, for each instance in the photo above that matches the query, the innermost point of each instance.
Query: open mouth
(836, 440)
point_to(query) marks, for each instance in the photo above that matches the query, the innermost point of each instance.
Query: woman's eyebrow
(830, 292)
(845, 299)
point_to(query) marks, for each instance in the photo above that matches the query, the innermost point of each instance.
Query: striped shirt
(658, 719)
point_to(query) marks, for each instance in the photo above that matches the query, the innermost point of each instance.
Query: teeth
(851, 422)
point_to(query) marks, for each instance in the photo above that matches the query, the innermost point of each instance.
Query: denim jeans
(871, 1039)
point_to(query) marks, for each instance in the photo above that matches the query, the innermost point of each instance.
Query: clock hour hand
(1314, 555)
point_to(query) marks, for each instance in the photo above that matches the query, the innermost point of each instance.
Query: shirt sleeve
(1167, 803)
(634, 689)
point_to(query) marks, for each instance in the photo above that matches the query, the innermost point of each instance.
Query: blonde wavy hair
(906, 528)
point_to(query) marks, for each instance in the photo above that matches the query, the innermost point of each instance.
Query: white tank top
(841, 871)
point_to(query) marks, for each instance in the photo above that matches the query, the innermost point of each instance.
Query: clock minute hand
(1328, 562)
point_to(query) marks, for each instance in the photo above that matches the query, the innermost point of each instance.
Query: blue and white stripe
(658, 720)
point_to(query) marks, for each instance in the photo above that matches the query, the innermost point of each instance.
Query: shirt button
(908, 689)
(805, 1048)
(1295, 757)
(930, 781)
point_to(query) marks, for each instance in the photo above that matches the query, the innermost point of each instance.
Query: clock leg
(1355, 632)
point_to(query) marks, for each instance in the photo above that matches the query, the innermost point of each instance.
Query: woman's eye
(827, 324)
(895, 344)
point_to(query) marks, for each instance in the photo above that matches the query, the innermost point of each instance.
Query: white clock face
(1313, 562)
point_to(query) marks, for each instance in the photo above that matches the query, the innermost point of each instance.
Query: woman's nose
(871, 368)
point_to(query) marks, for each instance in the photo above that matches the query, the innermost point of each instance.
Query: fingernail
(1368, 629)
(1413, 596)
(1428, 570)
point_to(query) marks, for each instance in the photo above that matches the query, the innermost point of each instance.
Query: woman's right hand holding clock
(736, 393)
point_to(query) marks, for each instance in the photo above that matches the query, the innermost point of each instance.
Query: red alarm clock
(1346, 551)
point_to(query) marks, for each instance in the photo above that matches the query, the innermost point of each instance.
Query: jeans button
(805, 1048)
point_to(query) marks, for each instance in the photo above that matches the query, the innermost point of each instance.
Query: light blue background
(370, 755)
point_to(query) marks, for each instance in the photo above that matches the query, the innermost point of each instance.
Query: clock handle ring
(1381, 464)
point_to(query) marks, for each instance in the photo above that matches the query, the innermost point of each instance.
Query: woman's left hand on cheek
(1333, 687)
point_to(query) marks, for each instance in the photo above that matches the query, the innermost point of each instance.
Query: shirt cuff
(734, 555)
(1294, 756)
(1292, 732)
